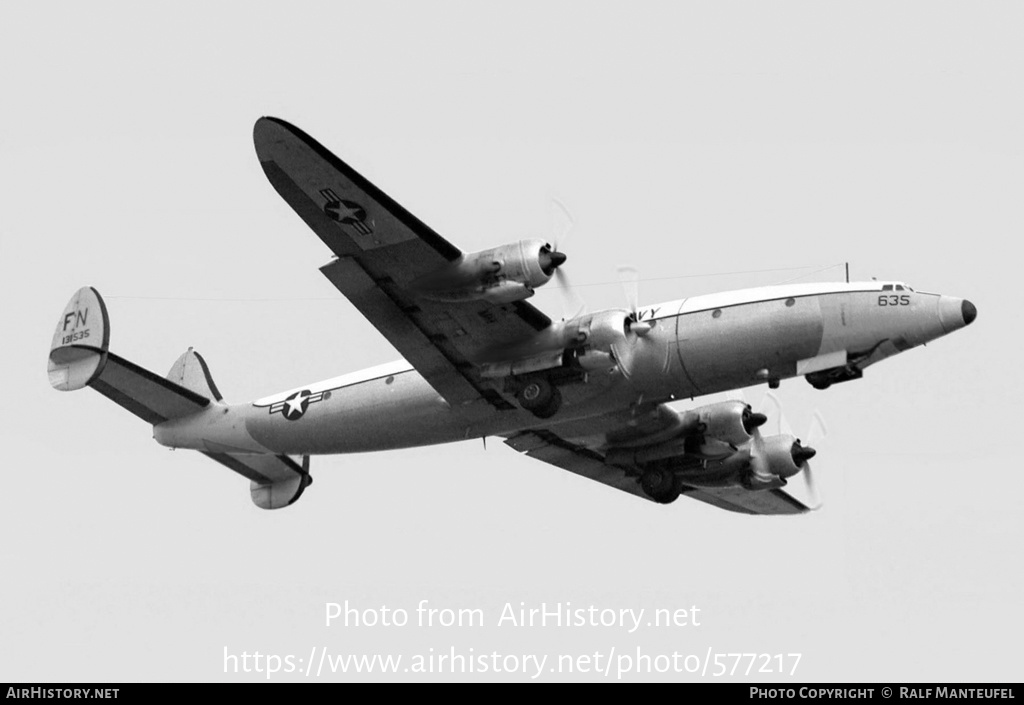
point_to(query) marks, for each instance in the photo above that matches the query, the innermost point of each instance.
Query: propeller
(552, 257)
(560, 223)
(815, 434)
(801, 453)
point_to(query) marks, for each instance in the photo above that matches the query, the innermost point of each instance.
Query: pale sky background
(687, 139)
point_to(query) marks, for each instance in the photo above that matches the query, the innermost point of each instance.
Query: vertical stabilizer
(78, 351)
(191, 372)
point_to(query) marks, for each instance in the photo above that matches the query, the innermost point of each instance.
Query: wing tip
(268, 130)
(266, 125)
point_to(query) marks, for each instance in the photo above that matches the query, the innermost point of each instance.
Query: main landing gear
(660, 484)
(538, 396)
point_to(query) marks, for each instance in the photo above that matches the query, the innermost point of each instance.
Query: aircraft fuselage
(694, 347)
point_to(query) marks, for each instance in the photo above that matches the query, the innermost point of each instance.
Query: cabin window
(790, 302)
(717, 313)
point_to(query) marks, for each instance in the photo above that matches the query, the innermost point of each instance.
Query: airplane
(594, 394)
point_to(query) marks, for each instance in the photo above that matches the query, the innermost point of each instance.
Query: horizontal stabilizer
(147, 395)
(276, 480)
(80, 357)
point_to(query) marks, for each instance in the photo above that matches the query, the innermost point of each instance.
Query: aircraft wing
(380, 249)
(553, 449)
(576, 447)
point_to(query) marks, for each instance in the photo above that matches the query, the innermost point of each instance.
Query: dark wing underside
(380, 249)
(576, 447)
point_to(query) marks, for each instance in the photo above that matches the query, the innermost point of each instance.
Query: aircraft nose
(968, 311)
(955, 313)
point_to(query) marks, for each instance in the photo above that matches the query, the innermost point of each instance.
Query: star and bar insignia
(294, 407)
(346, 212)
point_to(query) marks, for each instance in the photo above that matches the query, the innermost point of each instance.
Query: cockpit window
(899, 287)
(887, 287)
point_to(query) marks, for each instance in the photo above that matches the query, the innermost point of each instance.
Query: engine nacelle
(599, 331)
(774, 460)
(713, 435)
(726, 426)
(762, 464)
(725, 471)
(499, 275)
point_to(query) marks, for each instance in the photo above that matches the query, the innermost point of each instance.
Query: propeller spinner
(629, 277)
(550, 259)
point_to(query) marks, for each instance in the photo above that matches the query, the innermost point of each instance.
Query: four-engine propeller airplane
(590, 394)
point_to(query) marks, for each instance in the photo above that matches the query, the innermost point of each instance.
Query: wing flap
(423, 349)
(766, 502)
(552, 449)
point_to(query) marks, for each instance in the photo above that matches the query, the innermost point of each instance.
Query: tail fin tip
(191, 372)
(80, 342)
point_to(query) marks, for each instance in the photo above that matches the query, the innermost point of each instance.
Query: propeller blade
(560, 223)
(781, 425)
(630, 279)
(812, 489)
(737, 395)
(817, 430)
(573, 304)
(815, 434)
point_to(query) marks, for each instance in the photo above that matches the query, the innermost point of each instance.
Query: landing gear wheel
(660, 485)
(552, 407)
(818, 383)
(541, 397)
